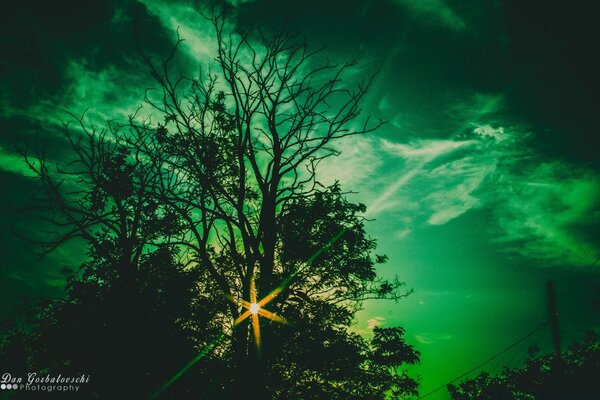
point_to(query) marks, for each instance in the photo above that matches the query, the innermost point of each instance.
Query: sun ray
(241, 318)
(272, 316)
(248, 305)
(256, 330)
(189, 365)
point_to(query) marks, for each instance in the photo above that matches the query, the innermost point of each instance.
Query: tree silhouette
(574, 376)
(218, 205)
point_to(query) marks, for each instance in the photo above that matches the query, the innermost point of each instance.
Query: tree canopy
(575, 375)
(219, 265)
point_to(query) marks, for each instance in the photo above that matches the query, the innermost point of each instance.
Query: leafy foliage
(185, 219)
(574, 376)
(130, 336)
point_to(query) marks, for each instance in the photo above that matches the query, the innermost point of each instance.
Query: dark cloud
(428, 62)
(40, 38)
(554, 44)
(538, 54)
(19, 133)
(475, 55)
(340, 24)
(24, 274)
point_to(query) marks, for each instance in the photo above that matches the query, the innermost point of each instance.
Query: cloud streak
(544, 209)
(549, 210)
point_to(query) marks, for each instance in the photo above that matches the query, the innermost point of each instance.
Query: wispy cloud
(14, 163)
(429, 338)
(429, 179)
(423, 150)
(375, 322)
(197, 32)
(417, 156)
(543, 206)
(359, 161)
(435, 12)
(546, 210)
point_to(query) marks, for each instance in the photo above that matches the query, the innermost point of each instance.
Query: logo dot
(3, 386)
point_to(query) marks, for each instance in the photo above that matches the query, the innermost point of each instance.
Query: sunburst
(255, 308)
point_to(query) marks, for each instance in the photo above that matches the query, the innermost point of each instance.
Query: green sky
(483, 185)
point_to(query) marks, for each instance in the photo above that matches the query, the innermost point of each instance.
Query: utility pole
(553, 317)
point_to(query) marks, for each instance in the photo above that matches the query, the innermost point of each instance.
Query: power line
(581, 259)
(513, 345)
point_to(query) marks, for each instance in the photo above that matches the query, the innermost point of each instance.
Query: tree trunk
(265, 286)
(248, 371)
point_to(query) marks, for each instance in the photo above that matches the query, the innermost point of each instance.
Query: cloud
(108, 94)
(548, 211)
(423, 339)
(544, 209)
(428, 168)
(488, 131)
(429, 338)
(359, 161)
(402, 233)
(425, 150)
(375, 322)
(197, 32)
(478, 112)
(14, 163)
(461, 178)
(429, 178)
(434, 12)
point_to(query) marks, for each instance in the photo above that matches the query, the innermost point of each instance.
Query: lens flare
(254, 308)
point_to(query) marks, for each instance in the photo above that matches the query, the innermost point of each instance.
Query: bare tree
(100, 196)
(229, 175)
(239, 149)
